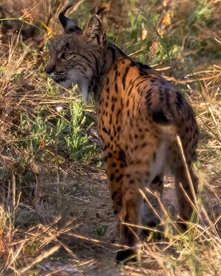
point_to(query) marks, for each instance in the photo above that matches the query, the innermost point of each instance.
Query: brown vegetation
(55, 212)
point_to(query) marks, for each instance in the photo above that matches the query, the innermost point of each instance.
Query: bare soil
(83, 197)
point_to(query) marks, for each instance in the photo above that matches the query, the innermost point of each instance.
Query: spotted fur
(139, 114)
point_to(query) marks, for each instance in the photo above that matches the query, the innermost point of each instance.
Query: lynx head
(77, 56)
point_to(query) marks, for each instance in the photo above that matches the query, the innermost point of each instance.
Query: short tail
(158, 108)
(161, 117)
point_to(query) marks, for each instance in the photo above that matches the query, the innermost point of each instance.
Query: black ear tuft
(95, 31)
(101, 10)
(70, 26)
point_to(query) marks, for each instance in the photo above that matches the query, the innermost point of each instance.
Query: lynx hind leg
(130, 218)
(185, 196)
(115, 166)
(152, 212)
(186, 190)
(138, 210)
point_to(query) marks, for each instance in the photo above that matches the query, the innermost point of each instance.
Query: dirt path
(85, 197)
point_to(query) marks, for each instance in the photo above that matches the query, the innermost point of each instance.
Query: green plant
(43, 130)
(77, 139)
(101, 230)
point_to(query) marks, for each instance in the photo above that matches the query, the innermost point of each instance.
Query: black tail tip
(160, 117)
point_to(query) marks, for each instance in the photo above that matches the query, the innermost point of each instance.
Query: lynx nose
(49, 69)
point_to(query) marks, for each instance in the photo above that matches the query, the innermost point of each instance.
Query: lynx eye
(66, 56)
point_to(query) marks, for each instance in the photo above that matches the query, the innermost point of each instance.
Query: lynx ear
(95, 31)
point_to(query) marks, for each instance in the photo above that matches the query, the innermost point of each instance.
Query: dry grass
(55, 212)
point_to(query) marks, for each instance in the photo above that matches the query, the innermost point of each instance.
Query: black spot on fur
(105, 130)
(116, 88)
(125, 76)
(112, 177)
(113, 195)
(118, 179)
(179, 100)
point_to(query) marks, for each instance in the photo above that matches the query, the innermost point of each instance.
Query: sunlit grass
(45, 130)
